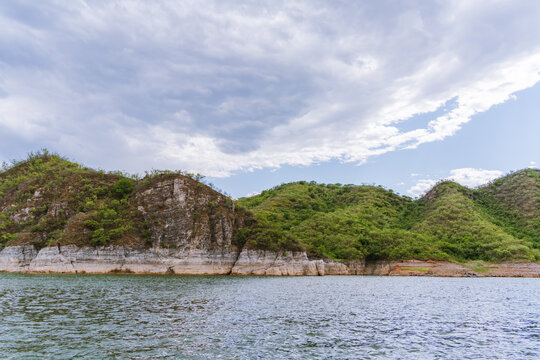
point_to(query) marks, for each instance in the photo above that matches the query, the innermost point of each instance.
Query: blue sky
(253, 94)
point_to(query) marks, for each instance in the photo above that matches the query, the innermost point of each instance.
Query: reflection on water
(149, 317)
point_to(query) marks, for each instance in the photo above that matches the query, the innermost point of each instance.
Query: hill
(460, 223)
(47, 201)
(498, 222)
(513, 202)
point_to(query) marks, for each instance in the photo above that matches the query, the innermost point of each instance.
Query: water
(347, 317)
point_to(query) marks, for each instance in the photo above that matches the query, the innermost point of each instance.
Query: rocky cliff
(103, 260)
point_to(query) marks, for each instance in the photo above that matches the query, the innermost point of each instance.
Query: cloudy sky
(256, 93)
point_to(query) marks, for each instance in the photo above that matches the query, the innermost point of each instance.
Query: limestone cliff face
(189, 230)
(74, 259)
(185, 215)
(112, 259)
(100, 260)
(260, 262)
(17, 258)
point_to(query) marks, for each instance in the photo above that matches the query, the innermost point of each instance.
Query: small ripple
(147, 317)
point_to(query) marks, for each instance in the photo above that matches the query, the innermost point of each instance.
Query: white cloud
(219, 86)
(469, 177)
(421, 187)
(532, 164)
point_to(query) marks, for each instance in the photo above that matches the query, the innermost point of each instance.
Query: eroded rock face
(190, 225)
(73, 259)
(182, 214)
(259, 262)
(418, 268)
(17, 258)
(114, 259)
(254, 262)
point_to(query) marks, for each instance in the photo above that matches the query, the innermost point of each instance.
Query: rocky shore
(103, 260)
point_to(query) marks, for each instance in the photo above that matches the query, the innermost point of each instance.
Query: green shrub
(99, 237)
(107, 214)
(119, 232)
(123, 188)
(5, 238)
(92, 224)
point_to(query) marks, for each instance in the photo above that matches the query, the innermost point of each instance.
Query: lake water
(331, 317)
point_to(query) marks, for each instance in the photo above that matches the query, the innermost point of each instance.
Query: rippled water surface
(169, 317)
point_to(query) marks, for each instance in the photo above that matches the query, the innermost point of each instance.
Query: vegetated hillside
(341, 222)
(513, 202)
(450, 222)
(463, 229)
(47, 200)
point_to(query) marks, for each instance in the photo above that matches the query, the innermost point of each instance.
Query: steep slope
(340, 222)
(513, 202)
(450, 222)
(462, 230)
(49, 201)
(518, 192)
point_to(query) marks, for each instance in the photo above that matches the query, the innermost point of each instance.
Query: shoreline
(71, 259)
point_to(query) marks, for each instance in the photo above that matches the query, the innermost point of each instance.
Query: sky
(257, 93)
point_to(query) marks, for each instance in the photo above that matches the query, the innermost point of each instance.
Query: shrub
(118, 232)
(92, 224)
(123, 188)
(5, 238)
(99, 237)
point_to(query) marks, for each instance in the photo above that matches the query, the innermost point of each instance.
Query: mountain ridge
(48, 201)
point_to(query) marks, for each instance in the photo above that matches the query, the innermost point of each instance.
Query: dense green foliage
(513, 202)
(459, 223)
(49, 200)
(450, 222)
(123, 188)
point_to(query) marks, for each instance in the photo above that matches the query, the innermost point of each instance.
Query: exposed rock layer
(73, 259)
(187, 215)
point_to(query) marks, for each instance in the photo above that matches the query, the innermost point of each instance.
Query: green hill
(450, 222)
(47, 200)
(462, 228)
(513, 202)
